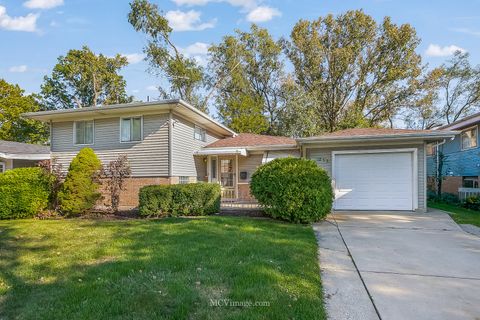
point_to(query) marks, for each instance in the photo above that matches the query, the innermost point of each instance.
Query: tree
(185, 76)
(248, 72)
(358, 72)
(459, 88)
(79, 192)
(84, 79)
(114, 175)
(13, 127)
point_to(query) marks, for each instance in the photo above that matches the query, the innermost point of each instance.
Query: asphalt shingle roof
(22, 148)
(250, 139)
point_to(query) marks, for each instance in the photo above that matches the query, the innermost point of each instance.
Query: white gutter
(409, 136)
(208, 152)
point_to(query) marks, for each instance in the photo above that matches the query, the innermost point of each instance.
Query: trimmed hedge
(293, 189)
(180, 199)
(24, 192)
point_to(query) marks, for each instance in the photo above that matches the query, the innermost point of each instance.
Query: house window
(470, 182)
(131, 129)
(431, 150)
(83, 132)
(200, 134)
(469, 138)
(183, 180)
(2, 167)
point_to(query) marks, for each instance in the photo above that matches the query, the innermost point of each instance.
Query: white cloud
(263, 14)
(246, 4)
(135, 91)
(133, 58)
(26, 23)
(434, 50)
(20, 69)
(152, 88)
(187, 21)
(42, 4)
(197, 51)
(255, 12)
(467, 31)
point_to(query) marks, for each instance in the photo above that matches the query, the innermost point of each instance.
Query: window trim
(474, 179)
(2, 167)
(75, 133)
(205, 133)
(120, 129)
(461, 138)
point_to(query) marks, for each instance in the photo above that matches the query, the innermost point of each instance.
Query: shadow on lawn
(162, 269)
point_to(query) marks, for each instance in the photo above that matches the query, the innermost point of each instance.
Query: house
(170, 142)
(18, 155)
(458, 159)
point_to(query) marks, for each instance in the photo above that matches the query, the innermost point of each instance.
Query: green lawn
(459, 214)
(163, 269)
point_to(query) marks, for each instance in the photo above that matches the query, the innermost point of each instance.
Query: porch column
(236, 176)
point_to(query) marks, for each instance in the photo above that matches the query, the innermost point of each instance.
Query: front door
(227, 177)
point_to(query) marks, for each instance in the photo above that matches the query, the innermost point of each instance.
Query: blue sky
(33, 33)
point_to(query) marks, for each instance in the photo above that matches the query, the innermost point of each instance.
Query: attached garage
(375, 169)
(375, 179)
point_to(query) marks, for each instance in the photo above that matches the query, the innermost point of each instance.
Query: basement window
(183, 180)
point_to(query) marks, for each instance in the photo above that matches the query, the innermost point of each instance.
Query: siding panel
(184, 145)
(148, 158)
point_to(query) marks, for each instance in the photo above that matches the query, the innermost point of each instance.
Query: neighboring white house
(18, 155)
(171, 142)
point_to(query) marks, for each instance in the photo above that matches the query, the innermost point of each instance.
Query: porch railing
(230, 201)
(464, 193)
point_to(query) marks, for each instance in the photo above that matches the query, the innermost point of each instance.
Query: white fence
(464, 193)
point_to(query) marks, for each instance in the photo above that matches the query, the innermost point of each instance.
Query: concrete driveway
(397, 265)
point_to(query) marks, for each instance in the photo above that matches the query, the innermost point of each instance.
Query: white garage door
(374, 181)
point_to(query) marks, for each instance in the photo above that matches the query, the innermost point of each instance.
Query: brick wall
(451, 184)
(129, 196)
(244, 192)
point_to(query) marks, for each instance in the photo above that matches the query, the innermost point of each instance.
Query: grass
(459, 214)
(158, 269)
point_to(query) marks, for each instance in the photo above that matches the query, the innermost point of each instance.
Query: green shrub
(24, 192)
(472, 202)
(180, 199)
(449, 198)
(79, 192)
(292, 189)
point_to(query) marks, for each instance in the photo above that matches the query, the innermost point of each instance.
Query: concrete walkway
(402, 266)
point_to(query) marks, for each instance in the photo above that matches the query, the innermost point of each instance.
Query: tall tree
(84, 79)
(459, 88)
(185, 76)
(248, 73)
(359, 72)
(14, 102)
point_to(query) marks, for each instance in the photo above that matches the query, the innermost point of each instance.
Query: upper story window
(200, 134)
(131, 129)
(431, 150)
(83, 132)
(2, 167)
(469, 138)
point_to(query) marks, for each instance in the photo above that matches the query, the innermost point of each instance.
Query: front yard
(174, 268)
(459, 214)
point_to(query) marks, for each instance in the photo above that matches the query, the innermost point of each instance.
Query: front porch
(232, 169)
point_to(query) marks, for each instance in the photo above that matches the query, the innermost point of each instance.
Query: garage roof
(380, 134)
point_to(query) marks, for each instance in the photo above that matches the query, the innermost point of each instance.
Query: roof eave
(391, 137)
(258, 147)
(25, 156)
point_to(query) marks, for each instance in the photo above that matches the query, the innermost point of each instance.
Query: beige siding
(249, 164)
(184, 163)
(148, 158)
(323, 157)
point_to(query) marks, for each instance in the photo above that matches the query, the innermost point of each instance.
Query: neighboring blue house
(461, 164)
